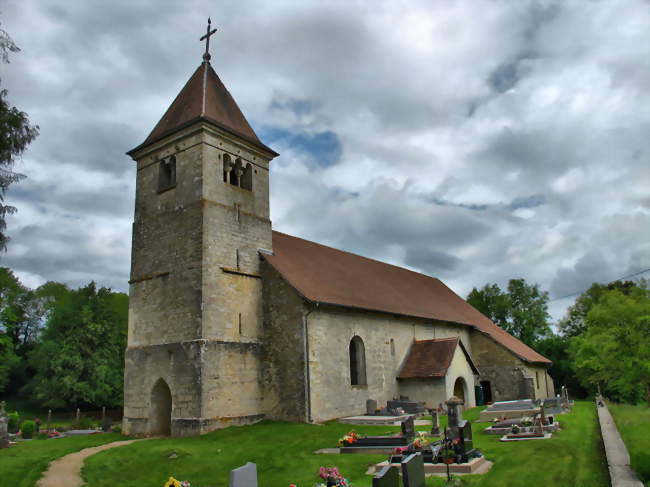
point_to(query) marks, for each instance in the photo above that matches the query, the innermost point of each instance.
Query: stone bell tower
(193, 359)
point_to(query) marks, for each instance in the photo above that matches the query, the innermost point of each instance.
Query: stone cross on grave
(206, 37)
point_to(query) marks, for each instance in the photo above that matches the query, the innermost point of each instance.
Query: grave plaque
(245, 476)
(413, 471)
(386, 477)
(371, 407)
(4, 421)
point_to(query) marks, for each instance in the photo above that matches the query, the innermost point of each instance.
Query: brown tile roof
(431, 358)
(204, 97)
(327, 275)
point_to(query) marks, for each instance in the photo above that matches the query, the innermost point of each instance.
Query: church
(231, 322)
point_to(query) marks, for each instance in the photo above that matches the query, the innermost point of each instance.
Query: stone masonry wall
(195, 282)
(506, 373)
(284, 347)
(387, 340)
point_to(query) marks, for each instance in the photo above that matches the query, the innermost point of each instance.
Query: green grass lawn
(23, 464)
(284, 454)
(633, 423)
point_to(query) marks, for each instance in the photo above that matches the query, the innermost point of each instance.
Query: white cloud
(479, 141)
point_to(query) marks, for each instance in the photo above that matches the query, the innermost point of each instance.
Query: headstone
(408, 427)
(454, 405)
(371, 407)
(542, 419)
(413, 471)
(459, 430)
(245, 476)
(565, 397)
(435, 423)
(386, 477)
(4, 433)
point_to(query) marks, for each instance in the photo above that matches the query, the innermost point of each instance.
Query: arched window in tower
(227, 166)
(236, 173)
(167, 174)
(357, 362)
(247, 178)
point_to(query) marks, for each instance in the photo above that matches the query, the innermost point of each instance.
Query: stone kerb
(618, 459)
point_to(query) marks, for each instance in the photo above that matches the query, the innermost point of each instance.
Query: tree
(573, 324)
(492, 302)
(556, 349)
(16, 134)
(8, 360)
(614, 349)
(522, 311)
(80, 358)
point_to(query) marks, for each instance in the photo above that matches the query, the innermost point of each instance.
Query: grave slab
(546, 436)
(382, 420)
(475, 466)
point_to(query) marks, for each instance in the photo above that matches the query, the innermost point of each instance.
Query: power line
(614, 280)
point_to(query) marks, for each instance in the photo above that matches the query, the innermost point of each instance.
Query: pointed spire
(204, 97)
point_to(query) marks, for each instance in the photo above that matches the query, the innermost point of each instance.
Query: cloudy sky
(476, 141)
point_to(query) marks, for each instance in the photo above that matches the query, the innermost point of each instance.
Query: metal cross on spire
(208, 33)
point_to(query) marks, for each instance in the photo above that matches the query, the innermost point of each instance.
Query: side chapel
(231, 322)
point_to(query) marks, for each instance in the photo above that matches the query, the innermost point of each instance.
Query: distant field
(633, 422)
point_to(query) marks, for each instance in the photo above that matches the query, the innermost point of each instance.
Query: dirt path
(65, 471)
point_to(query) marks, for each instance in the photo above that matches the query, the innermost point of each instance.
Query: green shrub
(117, 429)
(83, 424)
(27, 429)
(41, 436)
(14, 422)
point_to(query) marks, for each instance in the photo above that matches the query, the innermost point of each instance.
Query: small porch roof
(430, 359)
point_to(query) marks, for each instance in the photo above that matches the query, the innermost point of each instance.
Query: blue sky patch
(323, 147)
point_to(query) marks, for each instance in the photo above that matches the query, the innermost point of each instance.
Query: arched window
(236, 173)
(357, 362)
(247, 178)
(167, 174)
(227, 166)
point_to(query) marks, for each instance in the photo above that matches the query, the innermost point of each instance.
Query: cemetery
(285, 454)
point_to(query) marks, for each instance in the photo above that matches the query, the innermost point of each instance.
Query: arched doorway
(459, 390)
(160, 412)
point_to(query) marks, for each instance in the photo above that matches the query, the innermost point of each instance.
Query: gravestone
(565, 398)
(413, 471)
(371, 407)
(245, 476)
(386, 477)
(4, 433)
(454, 411)
(435, 423)
(408, 428)
(459, 430)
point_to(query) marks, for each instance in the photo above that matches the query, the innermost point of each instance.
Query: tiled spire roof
(204, 97)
